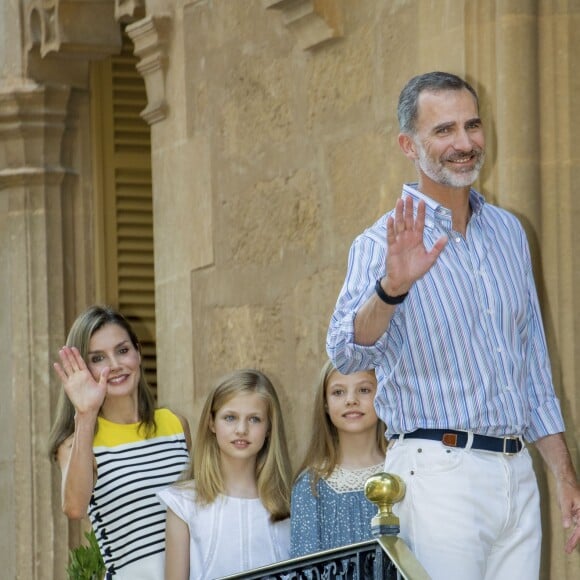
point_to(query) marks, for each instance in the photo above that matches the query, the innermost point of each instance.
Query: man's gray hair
(434, 82)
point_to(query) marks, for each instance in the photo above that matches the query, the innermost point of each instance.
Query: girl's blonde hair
(323, 453)
(79, 336)
(273, 470)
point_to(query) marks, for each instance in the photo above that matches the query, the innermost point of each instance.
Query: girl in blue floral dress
(347, 446)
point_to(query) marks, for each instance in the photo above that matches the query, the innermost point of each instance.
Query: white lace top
(343, 480)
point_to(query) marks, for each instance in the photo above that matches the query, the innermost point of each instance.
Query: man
(456, 337)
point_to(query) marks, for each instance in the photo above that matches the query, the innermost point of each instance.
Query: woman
(114, 448)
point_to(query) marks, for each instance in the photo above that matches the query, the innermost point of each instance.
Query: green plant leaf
(85, 561)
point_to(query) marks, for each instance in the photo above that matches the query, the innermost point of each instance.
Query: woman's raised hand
(85, 393)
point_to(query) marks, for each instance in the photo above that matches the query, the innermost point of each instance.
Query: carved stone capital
(129, 10)
(151, 38)
(72, 27)
(313, 21)
(32, 124)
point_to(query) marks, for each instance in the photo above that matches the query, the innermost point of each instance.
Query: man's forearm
(555, 453)
(372, 320)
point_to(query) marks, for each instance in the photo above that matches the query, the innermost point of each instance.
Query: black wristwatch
(391, 300)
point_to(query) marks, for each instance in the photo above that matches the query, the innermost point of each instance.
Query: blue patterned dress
(339, 515)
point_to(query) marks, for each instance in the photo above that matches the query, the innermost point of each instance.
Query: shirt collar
(437, 214)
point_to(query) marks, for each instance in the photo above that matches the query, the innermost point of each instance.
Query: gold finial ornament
(384, 490)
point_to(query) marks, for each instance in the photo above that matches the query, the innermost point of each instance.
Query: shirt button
(457, 239)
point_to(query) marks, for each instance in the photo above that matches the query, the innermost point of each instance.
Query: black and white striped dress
(128, 520)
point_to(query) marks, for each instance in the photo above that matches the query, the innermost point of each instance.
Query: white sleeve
(178, 501)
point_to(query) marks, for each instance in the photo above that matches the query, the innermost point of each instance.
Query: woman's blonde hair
(273, 471)
(79, 336)
(323, 453)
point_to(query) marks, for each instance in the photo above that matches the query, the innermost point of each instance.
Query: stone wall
(273, 144)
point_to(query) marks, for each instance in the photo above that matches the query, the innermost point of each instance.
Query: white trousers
(468, 514)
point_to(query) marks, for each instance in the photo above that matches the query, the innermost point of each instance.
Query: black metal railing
(362, 561)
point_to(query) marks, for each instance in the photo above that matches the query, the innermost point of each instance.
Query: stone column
(32, 123)
(181, 203)
(559, 128)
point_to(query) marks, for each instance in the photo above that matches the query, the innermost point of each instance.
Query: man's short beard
(437, 172)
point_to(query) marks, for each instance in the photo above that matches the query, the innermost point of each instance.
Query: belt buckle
(505, 440)
(449, 439)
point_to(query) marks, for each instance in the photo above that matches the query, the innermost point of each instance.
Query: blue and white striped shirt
(466, 349)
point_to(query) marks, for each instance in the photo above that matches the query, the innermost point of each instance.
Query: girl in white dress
(231, 512)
